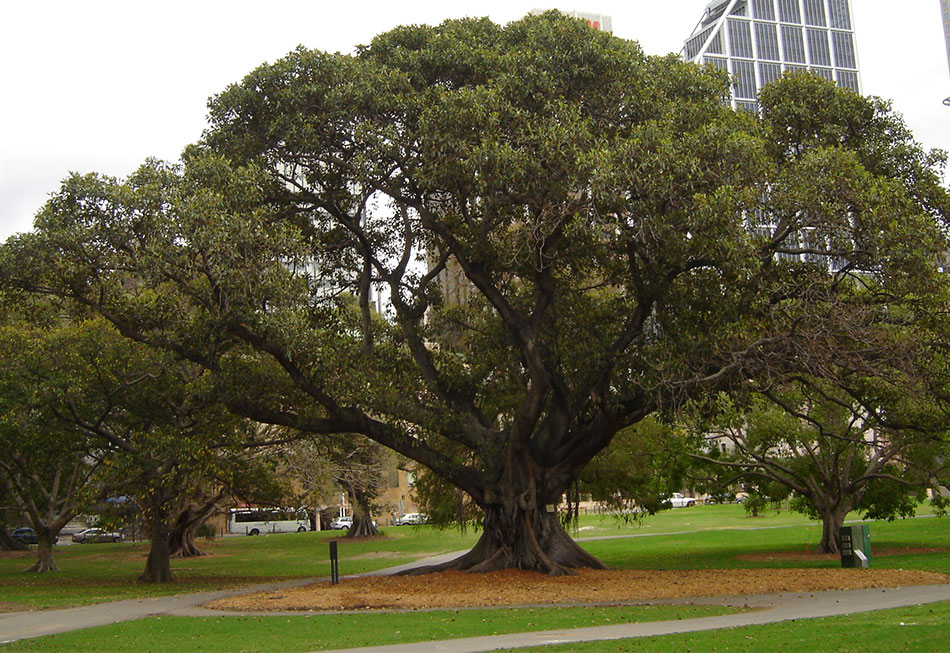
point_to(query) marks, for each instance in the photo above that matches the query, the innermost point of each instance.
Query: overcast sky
(99, 85)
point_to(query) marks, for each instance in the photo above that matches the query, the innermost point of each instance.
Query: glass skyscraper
(758, 40)
(945, 12)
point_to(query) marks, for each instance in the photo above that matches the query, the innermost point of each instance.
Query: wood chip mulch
(452, 589)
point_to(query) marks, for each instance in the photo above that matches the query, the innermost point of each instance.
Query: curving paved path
(772, 608)
(778, 607)
(24, 625)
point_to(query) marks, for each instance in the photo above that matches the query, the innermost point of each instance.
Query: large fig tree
(569, 236)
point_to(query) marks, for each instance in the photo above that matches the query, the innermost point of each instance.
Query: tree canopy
(833, 454)
(49, 467)
(571, 235)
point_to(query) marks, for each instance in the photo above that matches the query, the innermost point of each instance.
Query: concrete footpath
(23, 625)
(769, 609)
(776, 607)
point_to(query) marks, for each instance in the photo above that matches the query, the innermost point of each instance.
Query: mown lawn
(703, 537)
(322, 632)
(902, 630)
(94, 573)
(925, 543)
(693, 538)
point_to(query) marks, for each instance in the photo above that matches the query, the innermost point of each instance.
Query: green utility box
(856, 546)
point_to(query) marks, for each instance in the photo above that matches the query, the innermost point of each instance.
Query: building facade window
(763, 9)
(818, 50)
(766, 42)
(769, 72)
(740, 38)
(789, 11)
(793, 44)
(844, 50)
(743, 74)
(848, 79)
(695, 45)
(759, 39)
(839, 14)
(815, 13)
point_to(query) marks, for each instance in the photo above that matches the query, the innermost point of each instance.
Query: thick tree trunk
(831, 522)
(182, 539)
(44, 552)
(362, 515)
(182, 543)
(522, 531)
(362, 526)
(158, 566)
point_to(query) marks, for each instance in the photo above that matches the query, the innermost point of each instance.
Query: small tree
(48, 466)
(832, 453)
(158, 427)
(306, 467)
(642, 466)
(317, 469)
(362, 468)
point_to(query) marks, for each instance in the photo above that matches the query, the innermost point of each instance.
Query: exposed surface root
(487, 556)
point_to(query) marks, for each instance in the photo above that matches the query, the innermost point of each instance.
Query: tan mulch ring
(511, 587)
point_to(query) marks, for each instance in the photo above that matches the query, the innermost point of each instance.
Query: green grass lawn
(697, 518)
(712, 548)
(321, 632)
(911, 629)
(693, 538)
(94, 573)
(703, 537)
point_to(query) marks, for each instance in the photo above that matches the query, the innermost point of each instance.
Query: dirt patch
(511, 587)
(805, 556)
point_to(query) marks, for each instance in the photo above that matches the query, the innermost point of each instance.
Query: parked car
(24, 535)
(677, 500)
(720, 497)
(344, 523)
(96, 535)
(410, 518)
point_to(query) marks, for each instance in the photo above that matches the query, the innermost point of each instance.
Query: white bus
(255, 521)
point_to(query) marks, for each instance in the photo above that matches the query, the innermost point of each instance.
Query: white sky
(99, 85)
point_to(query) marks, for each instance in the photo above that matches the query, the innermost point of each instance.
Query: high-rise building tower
(945, 12)
(758, 40)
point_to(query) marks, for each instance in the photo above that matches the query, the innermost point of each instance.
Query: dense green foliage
(49, 467)
(88, 414)
(832, 451)
(571, 235)
(643, 465)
